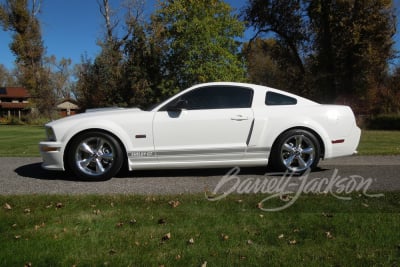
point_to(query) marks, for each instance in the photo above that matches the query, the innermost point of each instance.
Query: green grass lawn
(22, 141)
(318, 230)
(379, 143)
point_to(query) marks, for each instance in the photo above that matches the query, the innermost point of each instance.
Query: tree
(118, 76)
(338, 48)
(6, 77)
(60, 76)
(201, 38)
(353, 45)
(262, 67)
(285, 22)
(27, 46)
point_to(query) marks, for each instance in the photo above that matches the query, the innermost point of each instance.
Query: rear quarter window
(276, 99)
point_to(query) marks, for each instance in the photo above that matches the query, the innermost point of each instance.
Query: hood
(97, 113)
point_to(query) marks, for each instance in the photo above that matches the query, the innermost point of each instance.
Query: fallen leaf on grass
(224, 237)
(281, 236)
(27, 210)
(328, 215)
(96, 212)
(119, 224)
(166, 237)
(174, 203)
(38, 226)
(292, 242)
(249, 242)
(204, 264)
(329, 235)
(7, 206)
(17, 237)
(28, 264)
(59, 205)
(191, 241)
(162, 221)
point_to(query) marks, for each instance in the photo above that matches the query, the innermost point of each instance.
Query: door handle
(239, 118)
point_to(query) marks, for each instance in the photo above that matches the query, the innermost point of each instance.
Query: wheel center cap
(297, 152)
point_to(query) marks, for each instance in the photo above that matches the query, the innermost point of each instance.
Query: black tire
(295, 151)
(94, 156)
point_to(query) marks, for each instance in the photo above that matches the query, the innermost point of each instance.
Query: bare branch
(106, 12)
(36, 5)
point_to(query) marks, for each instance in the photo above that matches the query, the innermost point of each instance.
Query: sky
(70, 28)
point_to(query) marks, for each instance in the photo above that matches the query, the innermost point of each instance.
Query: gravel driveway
(25, 176)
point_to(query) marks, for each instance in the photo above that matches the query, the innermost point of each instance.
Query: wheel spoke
(86, 148)
(99, 166)
(85, 162)
(99, 144)
(299, 141)
(308, 150)
(288, 147)
(289, 160)
(302, 163)
(108, 156)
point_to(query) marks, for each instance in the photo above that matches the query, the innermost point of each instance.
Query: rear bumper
(348, 147)
(52, 156)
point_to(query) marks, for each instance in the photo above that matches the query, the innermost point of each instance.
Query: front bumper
(52, 155)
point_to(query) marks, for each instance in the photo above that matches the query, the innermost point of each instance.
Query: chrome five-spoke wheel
(296, 151)
(95, 155)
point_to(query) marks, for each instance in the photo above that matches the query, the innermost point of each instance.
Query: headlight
(50, 134)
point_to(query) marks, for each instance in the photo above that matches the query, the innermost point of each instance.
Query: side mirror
(178, 106)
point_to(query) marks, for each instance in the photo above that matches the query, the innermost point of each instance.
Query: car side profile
(219, 124)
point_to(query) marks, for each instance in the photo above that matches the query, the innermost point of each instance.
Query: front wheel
(94, 156)
(295, 151)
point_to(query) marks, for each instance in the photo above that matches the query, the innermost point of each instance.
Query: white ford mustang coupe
(208, 125)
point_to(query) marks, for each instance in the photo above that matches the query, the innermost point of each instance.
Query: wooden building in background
(14, 102)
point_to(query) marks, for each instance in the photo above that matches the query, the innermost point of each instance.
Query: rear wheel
(95, 156)
(295, 151)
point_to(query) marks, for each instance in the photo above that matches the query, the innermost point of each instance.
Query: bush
(38, 119)
(384, 122)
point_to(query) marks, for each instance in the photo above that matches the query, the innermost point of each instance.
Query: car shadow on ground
(35, 171)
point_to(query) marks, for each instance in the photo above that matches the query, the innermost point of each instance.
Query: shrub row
(383, 122)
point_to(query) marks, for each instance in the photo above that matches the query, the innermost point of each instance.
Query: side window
(216, 97)
(275, 99)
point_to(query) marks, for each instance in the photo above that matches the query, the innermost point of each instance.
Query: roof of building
(9, 105)
(13, 92)
(68, 104)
